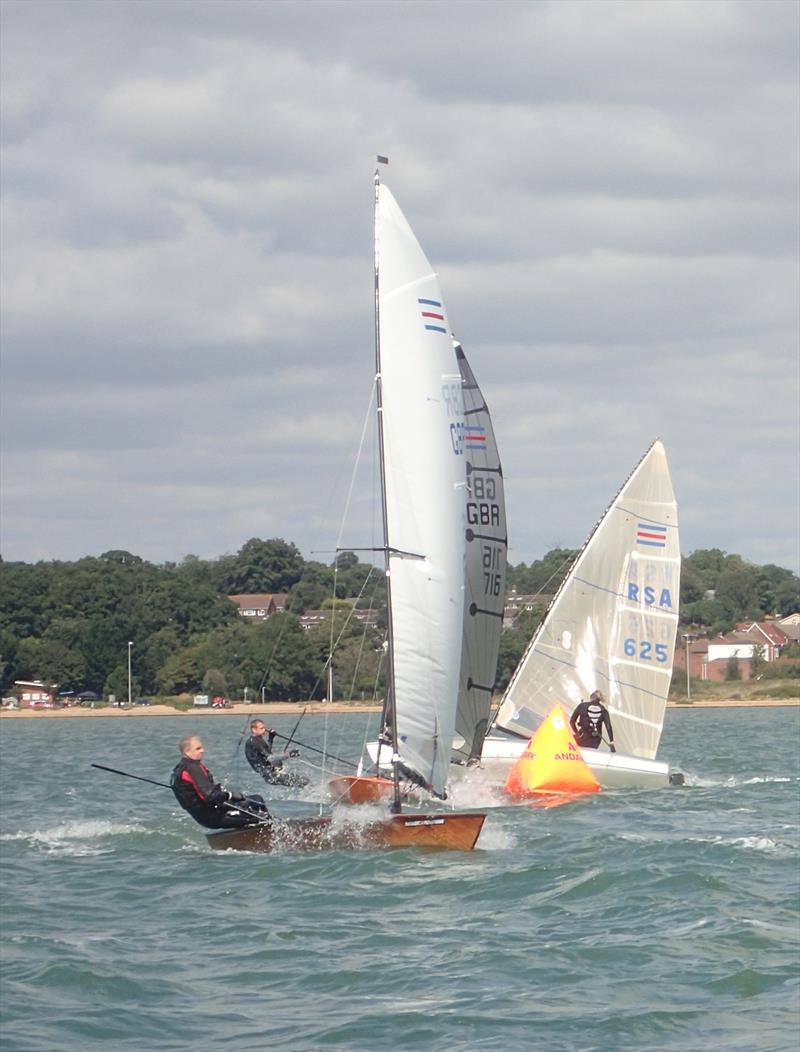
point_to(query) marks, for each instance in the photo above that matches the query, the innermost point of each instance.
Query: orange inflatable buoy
(551, 762)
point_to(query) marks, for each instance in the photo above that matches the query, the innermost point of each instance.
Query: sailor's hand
(294, 753)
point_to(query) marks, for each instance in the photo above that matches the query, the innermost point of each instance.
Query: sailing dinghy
(421, 428)
(611, 626)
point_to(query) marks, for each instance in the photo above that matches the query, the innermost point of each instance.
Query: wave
(698, 781)
(84, 837)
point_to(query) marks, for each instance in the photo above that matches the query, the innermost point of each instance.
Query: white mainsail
(422, 425)
(487, 544)
(611, 626)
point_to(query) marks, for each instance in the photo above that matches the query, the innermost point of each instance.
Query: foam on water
(76, 838)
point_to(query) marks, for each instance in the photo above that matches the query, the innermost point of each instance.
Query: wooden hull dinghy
(360, 789)
(445, 831)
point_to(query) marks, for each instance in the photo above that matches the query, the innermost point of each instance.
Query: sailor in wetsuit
(205, 800)
(588, 720)
(269, 764)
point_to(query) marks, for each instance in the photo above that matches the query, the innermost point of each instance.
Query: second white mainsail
(611, 626)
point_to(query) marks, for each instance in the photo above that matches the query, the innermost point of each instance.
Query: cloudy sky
(608, 191)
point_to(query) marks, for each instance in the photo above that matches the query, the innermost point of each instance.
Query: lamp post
(130, 700)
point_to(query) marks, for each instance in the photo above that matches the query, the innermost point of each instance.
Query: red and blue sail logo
(651, 536)
(475, 437)
(432, 312)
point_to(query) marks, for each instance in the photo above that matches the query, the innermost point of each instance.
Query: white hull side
(612, 770)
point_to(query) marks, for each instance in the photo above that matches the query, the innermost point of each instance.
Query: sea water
(638, 920)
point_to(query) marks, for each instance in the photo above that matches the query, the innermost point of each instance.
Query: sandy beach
(287, 708)
(276, 708)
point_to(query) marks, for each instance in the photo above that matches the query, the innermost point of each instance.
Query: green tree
(707, 614)
(215, 682)
(758, 662)
(116, 683)
(513, 642)
(542, 576)
(264, 566)
(787, 596)
(692, 585)
(181, 673)
(707, 564)
(737, 588)
(732, 670)
(307, 594)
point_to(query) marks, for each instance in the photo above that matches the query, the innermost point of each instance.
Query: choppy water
(645, 920)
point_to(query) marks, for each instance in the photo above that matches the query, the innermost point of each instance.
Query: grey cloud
(608, 192)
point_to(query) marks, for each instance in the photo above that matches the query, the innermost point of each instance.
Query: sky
(608, 192)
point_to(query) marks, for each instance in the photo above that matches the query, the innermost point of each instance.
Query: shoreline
(286, 708)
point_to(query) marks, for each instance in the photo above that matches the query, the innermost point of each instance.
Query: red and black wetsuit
(198, 793)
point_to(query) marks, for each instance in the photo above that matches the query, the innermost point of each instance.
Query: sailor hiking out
(205, 800)
(269, 764)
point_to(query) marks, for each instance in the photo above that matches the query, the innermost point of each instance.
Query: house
(696, 650)
(769, 635)
(369, 617)
(791, 626)
(33, 694)
(312, 618)
(517, 604)
(259, 605)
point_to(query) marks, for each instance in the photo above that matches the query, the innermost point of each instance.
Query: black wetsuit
(205, 800)
(258, 751)
(587, 722)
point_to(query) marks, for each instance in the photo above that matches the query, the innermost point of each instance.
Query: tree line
(71, 623)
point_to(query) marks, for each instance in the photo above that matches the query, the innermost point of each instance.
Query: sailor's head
(191, 747)
(258, 727)
(597, 696)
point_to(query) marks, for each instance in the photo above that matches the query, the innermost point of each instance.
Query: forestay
(424, 481)
(611, 626)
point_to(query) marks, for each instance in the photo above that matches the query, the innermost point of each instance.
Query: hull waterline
(612, 770)
(449, 832)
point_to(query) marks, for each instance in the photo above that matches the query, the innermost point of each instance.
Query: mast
(389, 715)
